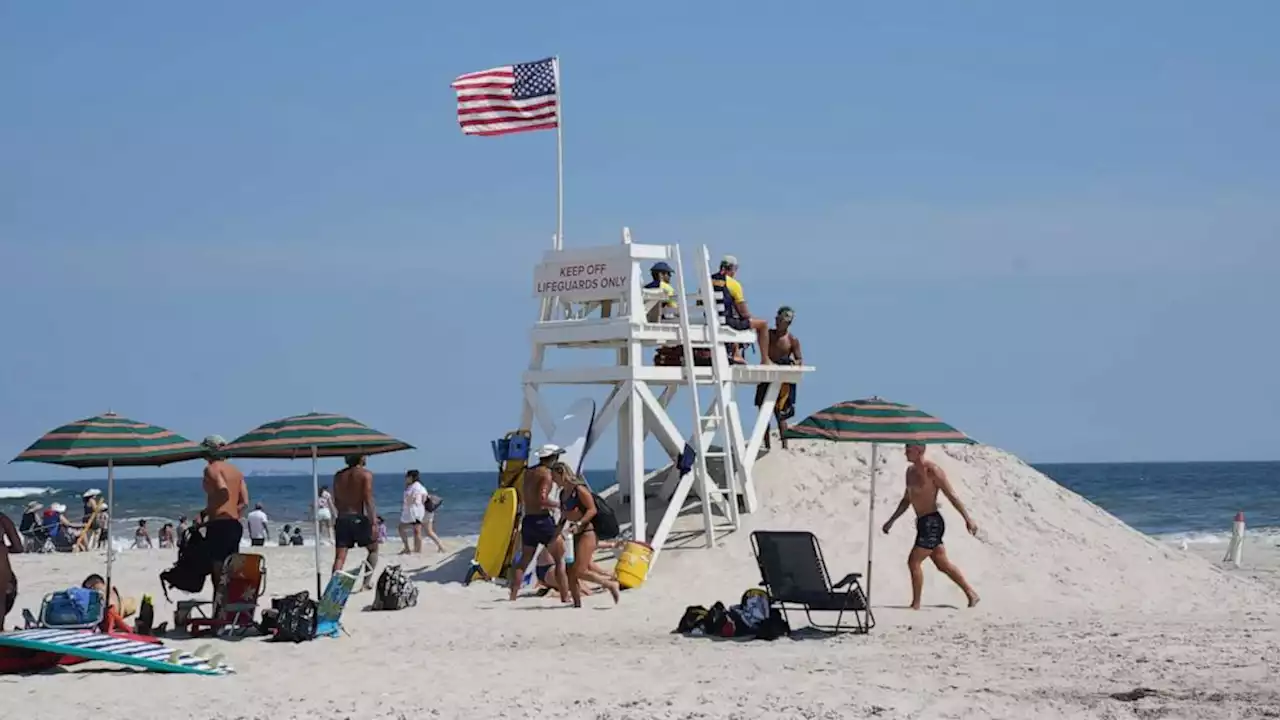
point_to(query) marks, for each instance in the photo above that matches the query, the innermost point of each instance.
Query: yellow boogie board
(495, 534)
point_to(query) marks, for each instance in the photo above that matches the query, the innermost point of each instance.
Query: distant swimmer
(226, 496)
(357, 517)
(538, 526)
(784, 349)
(924, 480)
(736, 314)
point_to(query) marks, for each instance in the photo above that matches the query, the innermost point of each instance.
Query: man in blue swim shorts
(538, 526)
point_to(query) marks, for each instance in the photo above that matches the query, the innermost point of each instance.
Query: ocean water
(1195, 502)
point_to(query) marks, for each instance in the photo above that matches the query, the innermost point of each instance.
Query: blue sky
(1053, 224)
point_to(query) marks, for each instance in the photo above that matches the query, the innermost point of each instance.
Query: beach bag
(691, 622)
(192, 567)
(774, 627)
(394, 591)
(432, 503)
(605, 522)
(719, 622)
(296, 618)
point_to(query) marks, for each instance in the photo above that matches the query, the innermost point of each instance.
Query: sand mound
(1040, 547)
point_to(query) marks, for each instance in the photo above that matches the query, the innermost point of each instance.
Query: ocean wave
(9, 493)
(1264, 533)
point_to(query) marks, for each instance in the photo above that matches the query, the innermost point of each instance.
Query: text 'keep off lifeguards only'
(582, 281)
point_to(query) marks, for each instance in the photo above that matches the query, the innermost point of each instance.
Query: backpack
(192, 567)
(395, 591)
(296, 618)
(605, 522)
(691, 622)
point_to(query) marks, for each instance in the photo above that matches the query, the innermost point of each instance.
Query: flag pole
(559, 242)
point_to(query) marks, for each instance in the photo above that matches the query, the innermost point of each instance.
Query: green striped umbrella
(313, 435)
(109, 441)
(876, 421)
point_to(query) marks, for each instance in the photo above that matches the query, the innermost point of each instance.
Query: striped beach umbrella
(109, 441)
(313, 435)
(875, 420)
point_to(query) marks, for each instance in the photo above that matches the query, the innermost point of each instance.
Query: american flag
(509, 99)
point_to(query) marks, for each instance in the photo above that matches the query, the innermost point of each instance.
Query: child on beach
(283, 540)
(382, 530)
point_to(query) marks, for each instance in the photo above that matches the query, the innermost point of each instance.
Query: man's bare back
(536, 491)
(225, 504)
(350, 488)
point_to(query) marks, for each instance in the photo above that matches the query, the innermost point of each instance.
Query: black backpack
(296, 618)
(605, 522)
(394, 591)
(192, 567)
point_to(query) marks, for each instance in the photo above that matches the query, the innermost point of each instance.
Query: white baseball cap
(548, 450)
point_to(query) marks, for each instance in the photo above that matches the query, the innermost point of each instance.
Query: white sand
(1076, 606)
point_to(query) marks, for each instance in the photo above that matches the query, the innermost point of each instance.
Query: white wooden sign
(580, 281)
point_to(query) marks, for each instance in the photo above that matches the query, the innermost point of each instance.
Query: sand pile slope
(1040, 547)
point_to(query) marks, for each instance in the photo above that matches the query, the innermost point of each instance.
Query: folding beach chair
(235, 600)
(795, 574)
(336, 594)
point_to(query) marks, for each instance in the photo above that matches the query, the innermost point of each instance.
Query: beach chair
(795, 574)
(235, 600)
(336, 594)
(71, 609)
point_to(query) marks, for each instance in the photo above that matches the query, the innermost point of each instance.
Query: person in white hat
(538, 526)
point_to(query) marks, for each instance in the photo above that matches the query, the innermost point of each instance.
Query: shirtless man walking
(10, 543)
(924, 480)
(784, 349)
(538, 527)
(357, 516)
(226, 496)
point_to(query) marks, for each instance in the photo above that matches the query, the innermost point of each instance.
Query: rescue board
(495, 535)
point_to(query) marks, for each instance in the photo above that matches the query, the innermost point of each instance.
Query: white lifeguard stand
(594, 298)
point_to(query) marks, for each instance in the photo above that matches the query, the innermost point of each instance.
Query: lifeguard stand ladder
(593, 298)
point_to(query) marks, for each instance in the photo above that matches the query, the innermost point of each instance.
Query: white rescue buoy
(1235, 550)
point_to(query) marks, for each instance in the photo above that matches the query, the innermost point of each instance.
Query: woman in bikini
(578, 514)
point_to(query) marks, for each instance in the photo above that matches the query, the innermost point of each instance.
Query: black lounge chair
(794, 573)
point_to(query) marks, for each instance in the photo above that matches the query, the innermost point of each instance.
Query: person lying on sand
(538, 527)
(579, 514)
(924, 480)
(112, 620)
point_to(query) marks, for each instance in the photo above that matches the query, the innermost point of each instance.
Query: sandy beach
(1077, 610)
